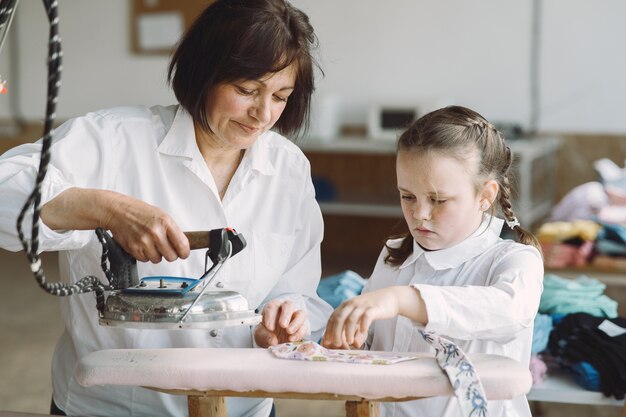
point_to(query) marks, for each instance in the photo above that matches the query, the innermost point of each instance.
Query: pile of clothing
(594, 350)
(578, 330)
(588, 225)
(582, 242)
(580, 295)
(568, 244)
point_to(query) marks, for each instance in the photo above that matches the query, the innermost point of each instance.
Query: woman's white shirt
(482, 294)
(151, 154)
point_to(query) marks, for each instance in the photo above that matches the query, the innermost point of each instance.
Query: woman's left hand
(281, 323)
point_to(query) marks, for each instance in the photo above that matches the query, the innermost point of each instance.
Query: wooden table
(206, 376)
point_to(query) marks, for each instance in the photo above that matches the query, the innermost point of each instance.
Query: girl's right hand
(348, 325)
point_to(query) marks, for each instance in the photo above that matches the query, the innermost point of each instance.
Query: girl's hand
(348, 325)
(281, 323)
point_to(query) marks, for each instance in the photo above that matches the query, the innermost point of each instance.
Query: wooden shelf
(19, 134)
(610, 277)
(534, 167)
(361, 209)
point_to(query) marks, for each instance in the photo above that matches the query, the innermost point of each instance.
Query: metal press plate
(251, 319)
(214, 310)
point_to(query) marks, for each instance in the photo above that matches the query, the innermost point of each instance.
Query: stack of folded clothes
(567, 244)
(580, 295)
(593, 349)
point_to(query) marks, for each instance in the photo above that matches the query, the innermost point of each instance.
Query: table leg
(362, 409)
(206, 406)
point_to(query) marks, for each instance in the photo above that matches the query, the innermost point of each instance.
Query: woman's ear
(489, 193)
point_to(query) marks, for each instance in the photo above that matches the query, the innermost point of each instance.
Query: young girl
(451, 273)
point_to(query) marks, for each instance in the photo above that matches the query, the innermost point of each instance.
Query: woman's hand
(281, 323)
(348, 325)
(146, 232)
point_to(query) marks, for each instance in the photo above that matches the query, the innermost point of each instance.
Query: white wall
(474, 53)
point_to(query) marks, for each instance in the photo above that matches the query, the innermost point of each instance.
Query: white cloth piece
(582, 202)
(482, 294)
(151, 154)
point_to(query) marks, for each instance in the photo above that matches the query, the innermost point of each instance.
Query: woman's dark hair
(244, 40)
(461, 133)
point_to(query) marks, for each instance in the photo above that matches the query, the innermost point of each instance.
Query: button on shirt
(482, 294)
(151, 154)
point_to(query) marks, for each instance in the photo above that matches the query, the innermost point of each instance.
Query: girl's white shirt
(151, 154)
(482, 294)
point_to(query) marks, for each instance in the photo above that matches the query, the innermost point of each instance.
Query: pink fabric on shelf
(562, 255)
(538, 369)
(243, 370)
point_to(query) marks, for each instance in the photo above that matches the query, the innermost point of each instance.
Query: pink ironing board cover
(243, 370)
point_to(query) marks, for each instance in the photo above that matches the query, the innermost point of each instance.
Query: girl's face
(439, 199)
(239, 112)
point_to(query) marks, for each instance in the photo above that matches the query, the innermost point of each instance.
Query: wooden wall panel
(354, 242)
(575, 158)
(366, 178)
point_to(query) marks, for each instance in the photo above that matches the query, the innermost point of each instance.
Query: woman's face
(239, 112)
(438, 198)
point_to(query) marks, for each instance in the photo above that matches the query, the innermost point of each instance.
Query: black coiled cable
(88, 283)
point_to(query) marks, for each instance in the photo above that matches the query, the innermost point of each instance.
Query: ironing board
(206, 376)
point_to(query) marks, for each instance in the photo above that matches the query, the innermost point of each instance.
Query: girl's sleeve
(497, 311)
(76, 160)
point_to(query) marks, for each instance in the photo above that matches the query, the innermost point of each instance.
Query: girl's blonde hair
(463, 134)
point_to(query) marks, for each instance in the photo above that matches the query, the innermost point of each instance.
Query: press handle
(213, 240)
(198, 240)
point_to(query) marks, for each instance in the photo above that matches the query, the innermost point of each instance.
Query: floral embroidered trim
(462, 375)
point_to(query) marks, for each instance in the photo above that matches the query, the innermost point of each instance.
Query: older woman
(211, 161)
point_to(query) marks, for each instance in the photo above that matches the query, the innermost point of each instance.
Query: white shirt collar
(487, 234)
(180, 140)
(259, 155)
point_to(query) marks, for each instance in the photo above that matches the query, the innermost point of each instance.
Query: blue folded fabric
(541, 333)
(337, 288)
(613, 232)
(586, 375)
(611, 239)
(580, 295)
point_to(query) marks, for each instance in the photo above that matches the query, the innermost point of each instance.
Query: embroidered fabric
(452, 360)
(311, 351)
(463, 378)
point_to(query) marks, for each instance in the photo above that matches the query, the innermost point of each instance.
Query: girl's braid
(505, 190)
